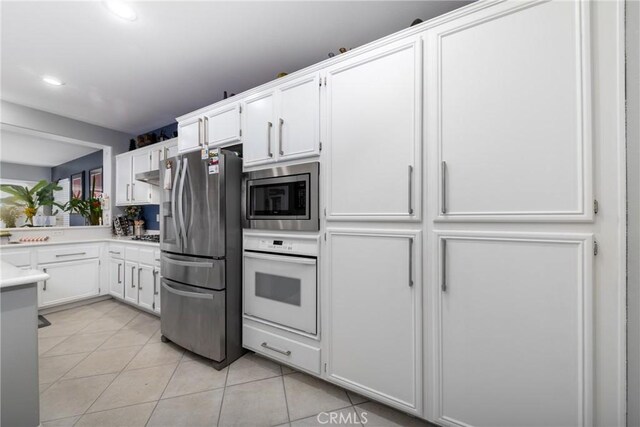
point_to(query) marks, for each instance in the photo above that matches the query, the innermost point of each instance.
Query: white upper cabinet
(283, 124)
(373, 120)
(222, 125)
(123, 180)
(140, 191)
(190, 134)
(514, 337)
(258, 146)
(298, 131)
(509, 112)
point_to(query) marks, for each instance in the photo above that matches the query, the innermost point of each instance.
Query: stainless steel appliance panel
(170, 238)
(194, 318)
(203, 272)
(258, 213)
(200, 216)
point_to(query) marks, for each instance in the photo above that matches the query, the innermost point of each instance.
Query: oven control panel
(281, 245)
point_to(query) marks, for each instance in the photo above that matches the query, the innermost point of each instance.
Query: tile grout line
(224, 391)
(163, 390)
(284, 389)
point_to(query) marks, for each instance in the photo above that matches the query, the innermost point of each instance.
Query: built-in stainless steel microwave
(282, 198)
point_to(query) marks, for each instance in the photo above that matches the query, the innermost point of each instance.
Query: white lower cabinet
(146, 286)
(131, 282)
(69, 281)
(116, 277)
(156, 288)
(374, 314)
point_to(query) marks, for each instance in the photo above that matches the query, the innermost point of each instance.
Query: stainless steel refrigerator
(201, 243)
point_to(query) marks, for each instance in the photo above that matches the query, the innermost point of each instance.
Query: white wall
(633, 220)
(24, 172)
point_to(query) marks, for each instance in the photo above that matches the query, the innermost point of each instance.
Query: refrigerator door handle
(179, 200)
(190, 203)
(174, 201)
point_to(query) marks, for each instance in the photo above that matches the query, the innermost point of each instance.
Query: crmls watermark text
(342, 418)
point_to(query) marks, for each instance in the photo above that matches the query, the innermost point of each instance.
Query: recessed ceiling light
(121, 9)
(52, 81)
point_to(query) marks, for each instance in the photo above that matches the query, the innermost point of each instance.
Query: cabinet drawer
(116, 251)
(18, 258)
(277, 347)
(132, 254)
(68, 253)
(146, 256)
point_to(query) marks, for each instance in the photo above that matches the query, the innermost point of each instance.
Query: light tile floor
(103, 364)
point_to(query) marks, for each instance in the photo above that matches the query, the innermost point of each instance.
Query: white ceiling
(177, 56)
(36, 151)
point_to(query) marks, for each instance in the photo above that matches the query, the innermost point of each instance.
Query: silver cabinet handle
(119, 266)
(155, 286)
(128, 185)
(410, 261)
(443, 190)
(114, 252)
(44, 286)
(443, 267)
(280, 138)
(269, 126)
(205, 134)
(410, 190)
(200, 131)
(139, 285)
(133, 269)
(77, 253)
(277, 350)
(133, 186)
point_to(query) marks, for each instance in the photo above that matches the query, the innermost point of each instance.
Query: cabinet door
(189, 134)
(123, 180)
(157, 154)
(374, 134)
(140, 191)
(298, 130)
(131, 282)
(223, 125)
(516, 146)
(146, 286)
(116, 277)
(69, 281)
(258, 146)
(172, 150)
(374, 310)
(514, 343)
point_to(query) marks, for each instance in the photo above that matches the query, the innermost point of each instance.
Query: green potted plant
(90, 209)
(29, 200)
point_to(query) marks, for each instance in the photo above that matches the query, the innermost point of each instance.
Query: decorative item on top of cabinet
(283, 123)
(374, 134)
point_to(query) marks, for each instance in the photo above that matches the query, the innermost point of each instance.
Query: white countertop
(126, 240)
(13, 276)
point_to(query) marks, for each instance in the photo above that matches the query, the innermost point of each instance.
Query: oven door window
(281, 289)
(285, 197)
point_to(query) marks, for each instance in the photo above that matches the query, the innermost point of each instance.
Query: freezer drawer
(194, 318)
(201, 272)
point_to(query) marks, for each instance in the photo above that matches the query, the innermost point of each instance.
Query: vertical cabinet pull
(410, 190)
(200, 131)
(133, 270)
(128, 185)
(280, 138)
(269, 126)
(205, 134)
(443, 267)
(133, 186)
(410, 261)
(443, 190)
(119, 280)
(139, 285)
(155, 287)
(44, 286)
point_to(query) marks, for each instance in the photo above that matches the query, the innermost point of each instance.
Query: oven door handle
(281, 258)
(186, 294)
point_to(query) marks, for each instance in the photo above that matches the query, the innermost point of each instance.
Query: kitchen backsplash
(149, 213)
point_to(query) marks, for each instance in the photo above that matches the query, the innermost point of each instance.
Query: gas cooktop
(155, 238)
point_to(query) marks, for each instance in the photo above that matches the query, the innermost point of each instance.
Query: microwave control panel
(281, 245)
